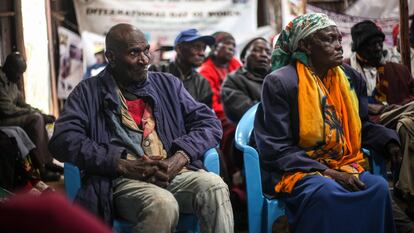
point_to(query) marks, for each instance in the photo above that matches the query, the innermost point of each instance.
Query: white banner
(378, 9)
(161, 20)
(70, 66)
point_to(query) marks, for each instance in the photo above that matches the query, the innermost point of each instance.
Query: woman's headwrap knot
(286, 47)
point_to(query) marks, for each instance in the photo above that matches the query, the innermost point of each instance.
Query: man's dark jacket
(277, 129)
(239, 92)
(198, 87)
(82, 134)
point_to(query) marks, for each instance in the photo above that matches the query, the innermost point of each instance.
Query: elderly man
(242, 89)
(14, 111)
(190, 46)
(139, 137)
(390, 89)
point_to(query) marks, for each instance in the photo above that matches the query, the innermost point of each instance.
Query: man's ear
(110, 57)
(178, 49)
(304, 47)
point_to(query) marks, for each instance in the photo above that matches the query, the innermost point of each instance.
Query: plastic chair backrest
(255, 198)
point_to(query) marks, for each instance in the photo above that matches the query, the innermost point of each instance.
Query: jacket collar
(252, 76)
(174, 70)
(110, 87)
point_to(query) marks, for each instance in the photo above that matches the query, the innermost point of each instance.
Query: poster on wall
(161, 20)
(70, 62)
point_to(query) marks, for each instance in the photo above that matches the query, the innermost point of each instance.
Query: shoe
(47, 175)
(54, 167)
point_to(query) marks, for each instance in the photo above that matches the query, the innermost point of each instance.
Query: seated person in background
(220, 62)
(190, 46)
(17, 173)
(99, 65)
(14, 111)
(390, 90)
(139, 138)
(242, 89)
(309, 135)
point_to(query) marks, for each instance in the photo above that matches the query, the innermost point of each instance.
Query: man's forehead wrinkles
(134, 44)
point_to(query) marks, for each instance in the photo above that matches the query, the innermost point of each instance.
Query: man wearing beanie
(242, 89)
(390, 91)
(190, 46)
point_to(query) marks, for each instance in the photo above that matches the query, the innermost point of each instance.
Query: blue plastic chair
(262, 211)
(377, 163)
(187, 222)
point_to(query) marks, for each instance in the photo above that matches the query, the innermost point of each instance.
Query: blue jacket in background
(82, 134)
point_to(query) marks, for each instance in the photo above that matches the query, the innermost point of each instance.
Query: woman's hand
(348, 181)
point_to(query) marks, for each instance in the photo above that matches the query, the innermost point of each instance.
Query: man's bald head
(120, 35)
(128, 55)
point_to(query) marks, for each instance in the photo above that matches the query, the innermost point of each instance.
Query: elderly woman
(309, 130)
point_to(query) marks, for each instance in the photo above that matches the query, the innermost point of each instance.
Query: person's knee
(163, 205)
(325, 191)
(209, 181)
(36, 118)
(382, 184)
(212, 191)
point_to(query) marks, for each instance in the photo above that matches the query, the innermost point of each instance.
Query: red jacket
(209, 71)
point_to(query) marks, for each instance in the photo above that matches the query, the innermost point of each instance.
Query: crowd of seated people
(138, 134)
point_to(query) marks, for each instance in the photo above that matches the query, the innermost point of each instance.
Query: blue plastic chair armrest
(72, 180)
(211, 161)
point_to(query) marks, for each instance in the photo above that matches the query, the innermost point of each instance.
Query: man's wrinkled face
(372, 50)
(326, 47)
(131, 58)
(225, 49)
(258, 57)
(192, 53)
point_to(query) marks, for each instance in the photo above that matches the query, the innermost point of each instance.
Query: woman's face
(325, 47)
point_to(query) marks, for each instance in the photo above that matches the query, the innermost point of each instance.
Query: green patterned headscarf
(299, 28)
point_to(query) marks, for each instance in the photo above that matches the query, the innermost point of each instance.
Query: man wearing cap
(390, 91)
(242, 89)
(190, 46)
(139, 137)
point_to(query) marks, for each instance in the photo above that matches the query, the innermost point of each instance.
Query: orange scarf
(332, 135)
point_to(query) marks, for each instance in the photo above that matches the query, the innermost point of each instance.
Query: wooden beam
(53, 102)
(7, 14)
(277, 6)
(19, 28)
(18, 23)
(304, 6)
(404, 38)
